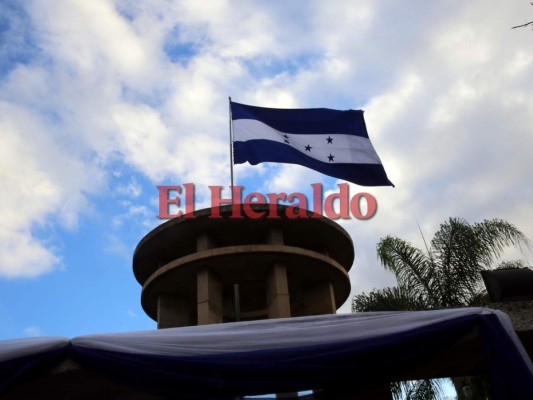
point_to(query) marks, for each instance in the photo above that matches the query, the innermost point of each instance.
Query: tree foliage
(445, 274)
(417, 390)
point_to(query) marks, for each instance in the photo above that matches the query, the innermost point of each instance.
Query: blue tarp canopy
(344, 352)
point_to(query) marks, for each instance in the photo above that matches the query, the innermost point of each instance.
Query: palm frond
(496, 235)
(512, 264)
(448, 275)
(454, 249)
(412, 268)
(423, 389)
(462, 250)
(388, 299)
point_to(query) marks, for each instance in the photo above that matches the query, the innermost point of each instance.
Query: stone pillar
(209, 292)
(277, 286)
(204, 242)
(320, 299)
(210, 304)
(278, 300)
(172, 311)
(275, 236)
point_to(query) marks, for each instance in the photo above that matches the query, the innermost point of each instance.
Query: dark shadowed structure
(248, 304)
(218, 268)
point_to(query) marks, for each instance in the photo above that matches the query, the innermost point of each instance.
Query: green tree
(445, 274)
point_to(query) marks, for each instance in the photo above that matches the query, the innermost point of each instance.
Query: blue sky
(102, 100)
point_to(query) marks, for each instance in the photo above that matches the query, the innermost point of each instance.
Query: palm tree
(446, 274)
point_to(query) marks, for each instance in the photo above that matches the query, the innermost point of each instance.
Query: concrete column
(320, 299)
(172, 311)
(278, 299)
(275, 236)
(277, 286)
(204, 242)
(210, 303)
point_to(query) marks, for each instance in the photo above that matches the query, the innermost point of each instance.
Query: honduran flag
(332, 142)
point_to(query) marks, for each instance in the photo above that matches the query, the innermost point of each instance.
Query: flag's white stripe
(345, 148)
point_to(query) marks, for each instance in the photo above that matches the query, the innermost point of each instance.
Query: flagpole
(231, 147)
(236, 288)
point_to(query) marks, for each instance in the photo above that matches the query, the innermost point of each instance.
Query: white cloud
(132, 189)
(289, 178)
(116, 246)
(135, 215)
(32, 331)
(39, 181)
(91, 37)
(145, 85)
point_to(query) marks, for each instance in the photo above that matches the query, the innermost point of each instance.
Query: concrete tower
(216, 268)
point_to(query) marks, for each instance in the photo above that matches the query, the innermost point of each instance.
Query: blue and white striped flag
(332, 142)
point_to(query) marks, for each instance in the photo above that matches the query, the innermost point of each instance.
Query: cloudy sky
(102, 100)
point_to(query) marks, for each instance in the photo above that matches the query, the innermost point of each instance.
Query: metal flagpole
(231, 147)
(236, 288)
